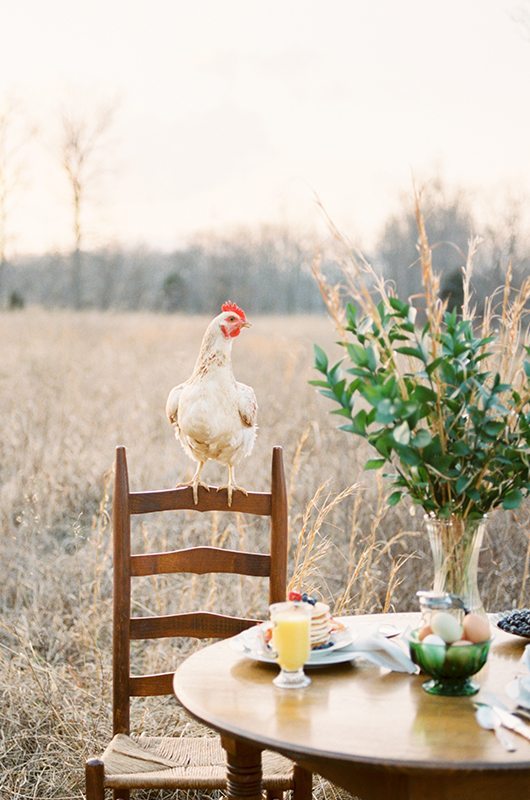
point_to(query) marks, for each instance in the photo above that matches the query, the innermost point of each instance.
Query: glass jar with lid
(432, 602)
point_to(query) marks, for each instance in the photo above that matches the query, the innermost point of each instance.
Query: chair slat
(197, 624)
(200, 560)
(178, 499)
(151, 685)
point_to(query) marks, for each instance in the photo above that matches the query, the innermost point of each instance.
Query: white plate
(250, 644)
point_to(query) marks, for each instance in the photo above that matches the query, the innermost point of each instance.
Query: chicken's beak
(246, 325)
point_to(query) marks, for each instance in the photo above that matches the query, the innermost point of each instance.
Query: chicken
(214, 416)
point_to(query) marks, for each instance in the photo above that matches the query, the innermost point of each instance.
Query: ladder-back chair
(199, 763)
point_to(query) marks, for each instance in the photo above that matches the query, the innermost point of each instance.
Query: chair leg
(94, 779)
(303, 783)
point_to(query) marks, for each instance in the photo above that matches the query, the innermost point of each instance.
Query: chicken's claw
(231, 488)
(195, 488)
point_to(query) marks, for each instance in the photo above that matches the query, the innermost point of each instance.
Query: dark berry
(516, 621)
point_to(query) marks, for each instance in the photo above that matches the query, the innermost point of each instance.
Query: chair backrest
(198, 560)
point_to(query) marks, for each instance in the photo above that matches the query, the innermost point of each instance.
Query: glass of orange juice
(291, 642)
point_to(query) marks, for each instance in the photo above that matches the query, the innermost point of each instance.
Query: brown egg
(423, 632)
(476, 628)
(461, 642)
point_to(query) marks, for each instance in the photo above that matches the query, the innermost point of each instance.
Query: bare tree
(449, 224)
(82, 147)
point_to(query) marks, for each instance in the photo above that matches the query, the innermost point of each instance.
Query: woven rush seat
(162, 762)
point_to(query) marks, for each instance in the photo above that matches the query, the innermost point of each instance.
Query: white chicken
(214, 416)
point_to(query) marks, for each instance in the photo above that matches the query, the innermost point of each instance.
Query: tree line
(268, 269)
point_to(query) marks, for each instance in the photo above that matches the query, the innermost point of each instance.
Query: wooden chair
(131, 762)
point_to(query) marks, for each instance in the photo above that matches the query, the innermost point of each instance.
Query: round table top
(352, 712)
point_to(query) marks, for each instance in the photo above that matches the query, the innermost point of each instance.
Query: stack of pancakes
(320, 625)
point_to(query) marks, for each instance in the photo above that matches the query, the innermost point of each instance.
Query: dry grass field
(72, 387)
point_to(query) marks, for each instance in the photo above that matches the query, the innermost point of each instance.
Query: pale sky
(237, 112)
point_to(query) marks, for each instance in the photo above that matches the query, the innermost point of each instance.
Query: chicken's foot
(195, 483)
(231, 486)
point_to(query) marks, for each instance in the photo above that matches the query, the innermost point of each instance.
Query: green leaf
(375, 463)
(401, 434)
(460, 448)
(394, 498)
(359, 423)
(512, 499)
(321, 359)
(372, 357)
(386, 411)
(411, 351)
(399, 305)
(374, 394)
(421, 438)
(408, 455)
(357, 354)
(424, 394)
(462, 483)
(351, 316)
(382, 443)
(344, 412)
(433, 365)
(493, 428)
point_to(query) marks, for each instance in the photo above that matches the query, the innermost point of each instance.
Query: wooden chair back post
(121, 521)
(198, 560)
(279, 529)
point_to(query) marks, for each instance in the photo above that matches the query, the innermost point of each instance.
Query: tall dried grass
(74, 386)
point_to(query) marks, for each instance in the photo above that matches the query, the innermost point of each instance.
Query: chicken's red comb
(229, 306)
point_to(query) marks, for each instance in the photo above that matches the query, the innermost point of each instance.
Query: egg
(461, 643)
(476, 628)
(423, 632)
(446, 626)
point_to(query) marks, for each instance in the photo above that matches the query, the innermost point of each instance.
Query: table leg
(243, 770)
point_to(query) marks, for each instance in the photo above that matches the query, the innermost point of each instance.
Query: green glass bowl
(451, 667)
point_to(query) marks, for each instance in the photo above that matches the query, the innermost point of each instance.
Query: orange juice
(291, 640)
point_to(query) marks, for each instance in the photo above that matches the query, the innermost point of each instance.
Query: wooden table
(375, 733)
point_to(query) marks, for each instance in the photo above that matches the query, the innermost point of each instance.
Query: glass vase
(455, 545)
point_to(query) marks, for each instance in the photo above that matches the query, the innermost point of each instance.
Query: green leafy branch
(457, 437)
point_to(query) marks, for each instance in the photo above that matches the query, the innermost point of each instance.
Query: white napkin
(383, 652)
